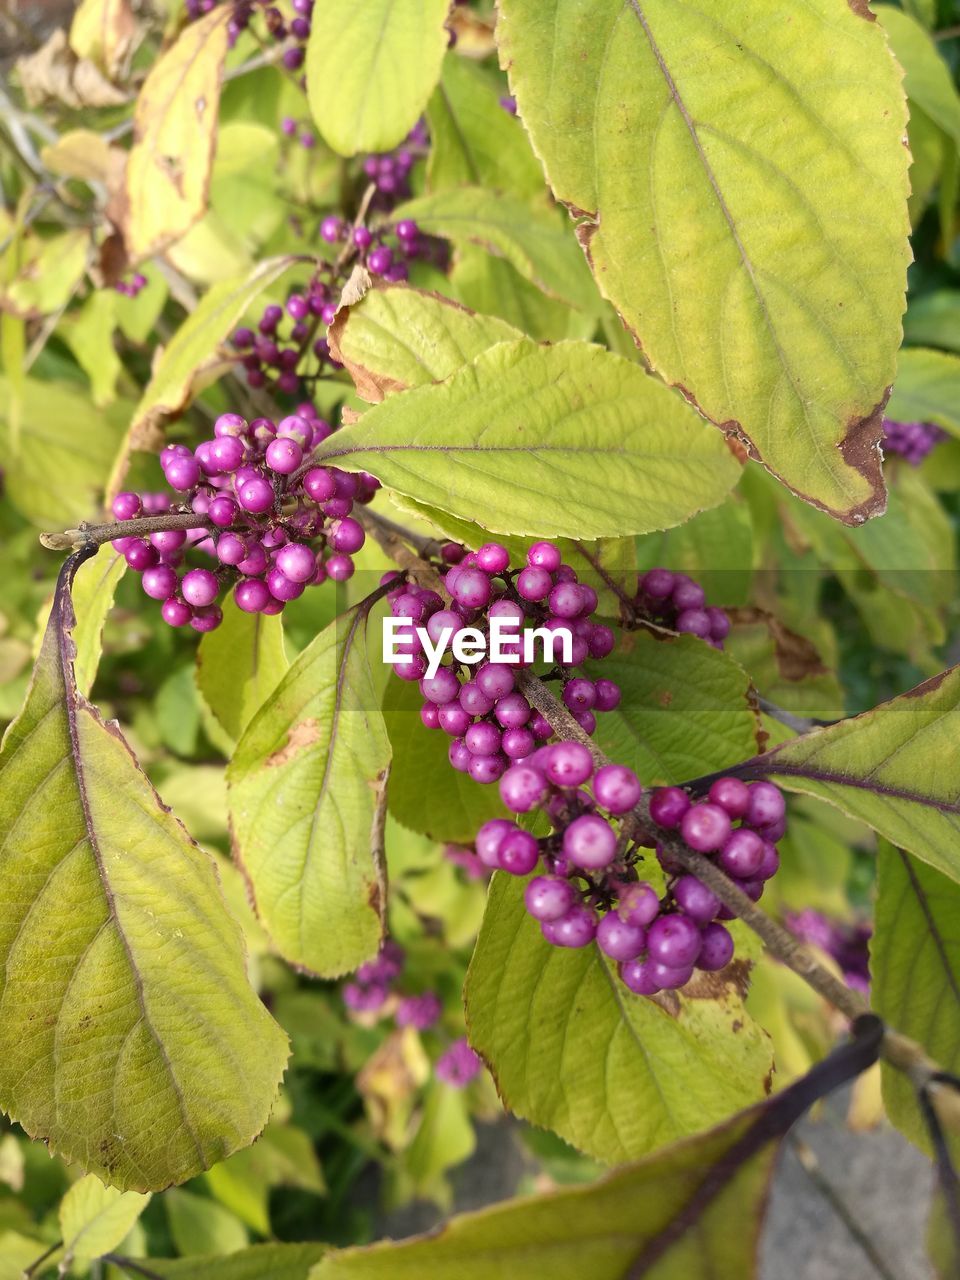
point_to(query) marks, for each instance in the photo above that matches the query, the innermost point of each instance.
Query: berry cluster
(588, 889)
(384, 251)
(846, 943)
(489, 721)
(911, 440)
(130, 288)
(279, 525)
(390, 171)
(290, 127)
(273, 356)
(373, 986)
(674, 600)
(278, 27)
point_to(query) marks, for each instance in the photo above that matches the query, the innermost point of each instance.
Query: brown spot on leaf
(301, 736)
(796, 657)
(862, 10)
(665, 697)
(860, 449)
(931, 685)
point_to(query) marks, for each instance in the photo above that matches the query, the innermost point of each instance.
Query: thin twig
(807, 1159)
(799, 724)
(95, 535)
(38, 1262)
(131, 1264)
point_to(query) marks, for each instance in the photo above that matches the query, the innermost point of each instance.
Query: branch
(799, 724)
(900, 1051)
(95, 535)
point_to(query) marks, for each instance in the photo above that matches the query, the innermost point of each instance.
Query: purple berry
(493, 679)
(616, 788)
(742, 854)
(182, 473)
(519, 853)
(331, 229)
(482, 738)
(695, 899)
(251, 595)
(140, 555)
(159, 582)
(441, 688)
(669, 978)
(577, 928)
(534, 584)
(513, 711)
(618, 940)
(453, 719)
(522, 788)
(517, 744)
(716, 948)
(590, 842)
(319, 484)
(767, 805)
(175, 613)
(346, 534)
(296, 562)
(544, 555)
(638, 905)
(283, 456)
(126, 506)
(673, 941)
(705, 827)
(731, 794)
(485, 769)
(256, 495)
(199, 587)
(568, 764)
(473, 700)
(668, 806)
(549, 897)
(637, 976)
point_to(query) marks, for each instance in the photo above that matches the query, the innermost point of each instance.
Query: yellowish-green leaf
(49, 271)
(93, 590)
(175, 131)
(536, 242)
(571, 1049)
(495, 287)
(927, 77)
(192, 359)
(239, 665)
(199, 1225)
(56, 469)
(749, 282)
(94, 1219)
(81, 153)
(691, 1212)
(89, 335)
(307, 801)
(915, 972)
(282, 1156)
(258, 1262)
(130, 1038)
(567, 440)
(893, 768)
(927, 388)
(104, 32)
(371, 68)
(473, 140)
(396, 338)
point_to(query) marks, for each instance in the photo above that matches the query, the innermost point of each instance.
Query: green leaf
(927, 388)
(473, 140)
(307, 802)
(494, 287)
(927, 79)
(49, 272)
(199, 1225)
(371, 68)
(691, 1212)
(94, 1219)
(534, 241)
(445, 1138)
(457, 805)
(750, 282)
(239, 665)
(611, 450)
(55, 472)
(89, 335)
(282, 1156)
(716, 546)
(258, 1262)
(398, 337)
(686, 709)
(932, 320)
(130, 1038)
(167, 174)
(892, 768)
(191, 360)
(915, 972)
(571, 1049)
(93, 590)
